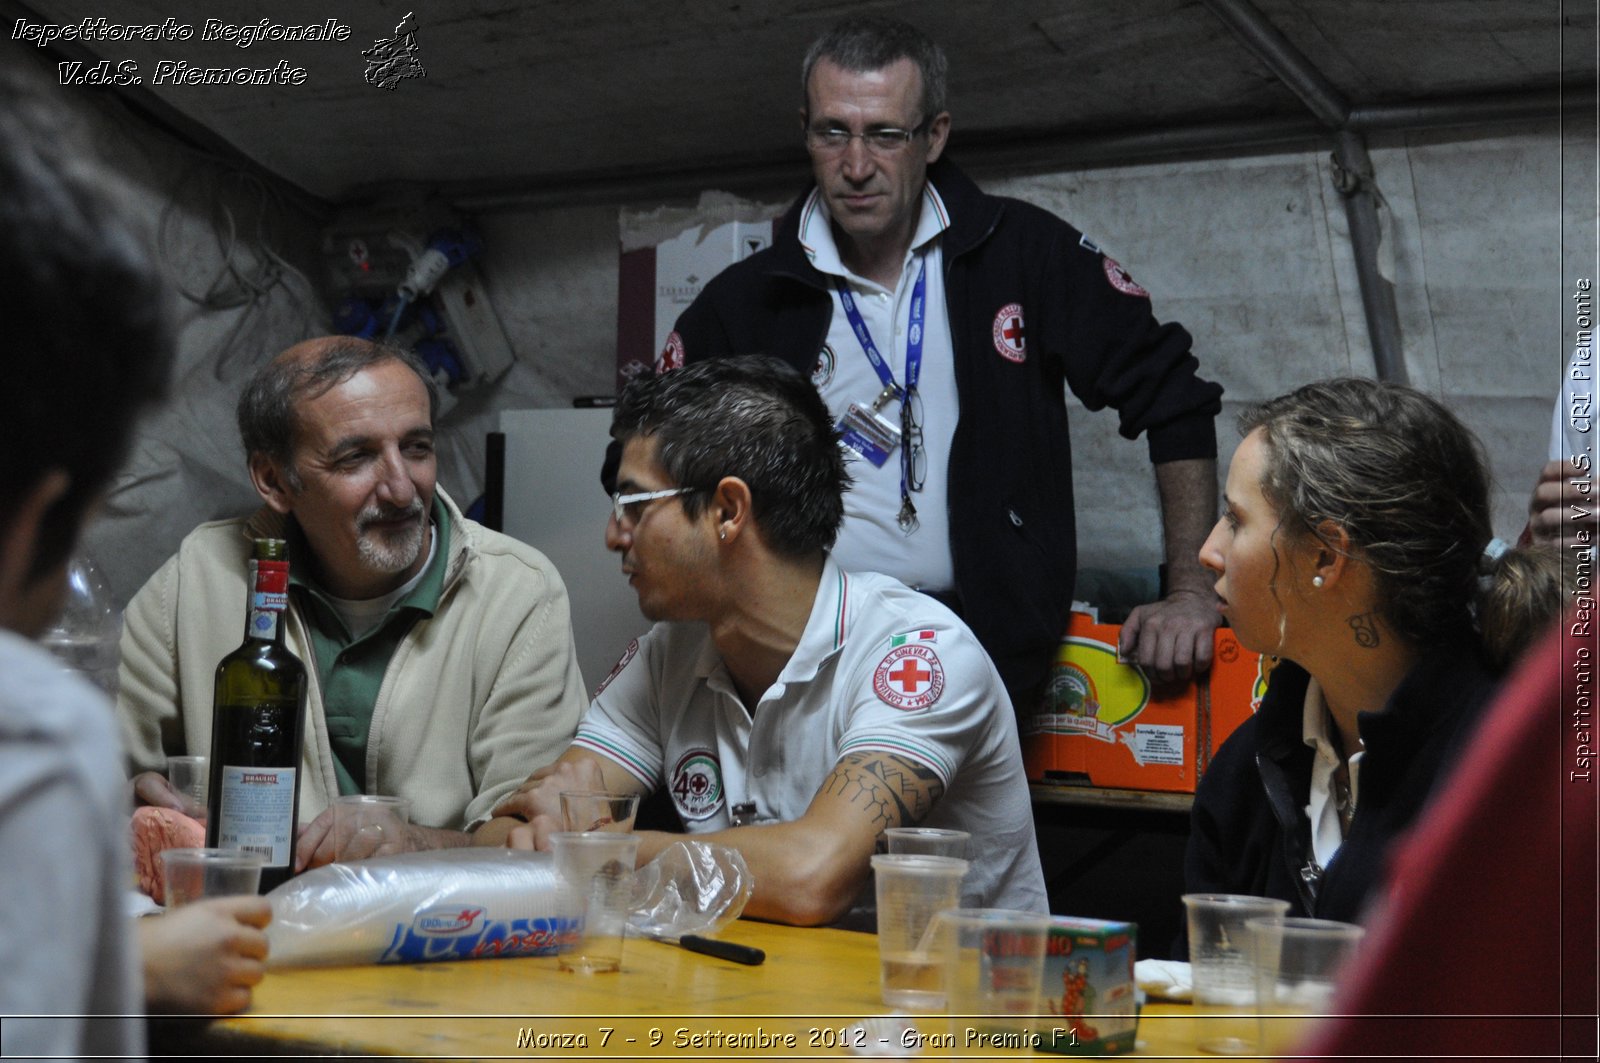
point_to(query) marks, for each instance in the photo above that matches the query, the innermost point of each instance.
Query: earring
(1316, 581)
(723, 535)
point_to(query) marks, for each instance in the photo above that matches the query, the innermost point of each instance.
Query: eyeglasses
(884, 140)
(627, 509)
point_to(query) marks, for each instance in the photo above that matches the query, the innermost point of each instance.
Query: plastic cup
(370, 825)
(1222, 964)
(994, 967)
(583, 810)
(191, 777)
(911, 889)
(191, 874)
(928, 841)
(596, 869)
(1297, 963)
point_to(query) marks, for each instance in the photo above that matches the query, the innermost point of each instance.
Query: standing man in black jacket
(941, 325)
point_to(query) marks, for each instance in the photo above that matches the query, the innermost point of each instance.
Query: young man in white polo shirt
(791, 710)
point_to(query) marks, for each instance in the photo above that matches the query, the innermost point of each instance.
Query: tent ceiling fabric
(537, 94)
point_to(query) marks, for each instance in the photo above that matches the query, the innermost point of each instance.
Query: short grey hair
(266, 406)
(864, 44)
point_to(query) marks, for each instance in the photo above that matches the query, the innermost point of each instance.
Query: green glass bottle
(257, 727)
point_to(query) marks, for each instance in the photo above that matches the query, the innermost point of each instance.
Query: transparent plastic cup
(928, 841)
(583, 810)
(1222, 965)
(370, 825)
(911, 890)
(192, 874)
(191, 777)
(1297, 964)
(994, 967)
(596, 869)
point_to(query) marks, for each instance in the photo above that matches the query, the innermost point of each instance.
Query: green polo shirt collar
(350, 671)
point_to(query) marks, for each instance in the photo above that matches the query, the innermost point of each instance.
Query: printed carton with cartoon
(1100, 721)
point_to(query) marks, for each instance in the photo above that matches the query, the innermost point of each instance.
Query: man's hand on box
(1171, 639)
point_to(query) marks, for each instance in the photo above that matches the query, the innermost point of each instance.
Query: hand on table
(538, 801)
(152, 788)
(1171, 639)
(318, 843)
(203, 958)
(1560, 513)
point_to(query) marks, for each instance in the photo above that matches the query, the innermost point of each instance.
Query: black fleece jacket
(1249, 832)
(1087, 326)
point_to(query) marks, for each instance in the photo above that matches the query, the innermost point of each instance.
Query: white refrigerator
(553, 501)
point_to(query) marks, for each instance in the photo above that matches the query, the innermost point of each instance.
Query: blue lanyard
(913, 335)
(908, 512)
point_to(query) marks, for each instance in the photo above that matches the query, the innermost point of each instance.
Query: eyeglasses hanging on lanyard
(864, 428)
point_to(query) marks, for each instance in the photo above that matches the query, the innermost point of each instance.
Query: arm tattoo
(1366, 628)
(893, 791)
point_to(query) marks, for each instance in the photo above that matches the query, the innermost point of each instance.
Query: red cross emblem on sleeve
(672, 355)
(1010, 335)
(1121, 279)
(909, 678)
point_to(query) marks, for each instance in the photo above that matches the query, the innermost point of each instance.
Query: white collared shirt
(871, 539)
(1327, 834)
(878, 668)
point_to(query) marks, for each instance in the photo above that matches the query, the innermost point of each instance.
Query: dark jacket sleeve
(1217, 859)
(698, 334)
(1235, 842)
(1118, 354)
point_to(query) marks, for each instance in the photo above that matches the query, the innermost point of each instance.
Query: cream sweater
(474, 699)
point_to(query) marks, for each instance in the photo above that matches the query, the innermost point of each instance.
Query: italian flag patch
(925, 635)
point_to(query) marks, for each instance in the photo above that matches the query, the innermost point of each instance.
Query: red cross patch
(1010, 338)
(696, 784)
(1121, 279)
(671, 356)
(909, 677)
(822, 372)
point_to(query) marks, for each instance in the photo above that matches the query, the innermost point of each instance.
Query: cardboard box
(1238, 680)
(667, 256)
(1099, 722)
(1089, 987)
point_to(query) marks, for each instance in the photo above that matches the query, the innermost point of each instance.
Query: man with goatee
(439, 653)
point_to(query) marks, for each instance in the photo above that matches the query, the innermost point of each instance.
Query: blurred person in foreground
(1510, 843)
(88, 349)
(440, 654)
(1352, 547)
(793, 711)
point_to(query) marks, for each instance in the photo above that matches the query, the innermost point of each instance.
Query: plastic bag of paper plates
(471, 903)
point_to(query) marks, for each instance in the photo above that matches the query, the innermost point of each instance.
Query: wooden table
(815, 986)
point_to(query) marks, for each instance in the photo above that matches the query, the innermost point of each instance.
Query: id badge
(869, 433)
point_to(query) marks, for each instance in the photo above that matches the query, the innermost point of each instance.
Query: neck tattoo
(1365, 627)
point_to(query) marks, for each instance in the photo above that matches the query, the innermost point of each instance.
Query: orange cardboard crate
(1099, 722)
(1238, 679)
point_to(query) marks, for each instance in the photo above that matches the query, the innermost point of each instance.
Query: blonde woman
(1353, 546)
